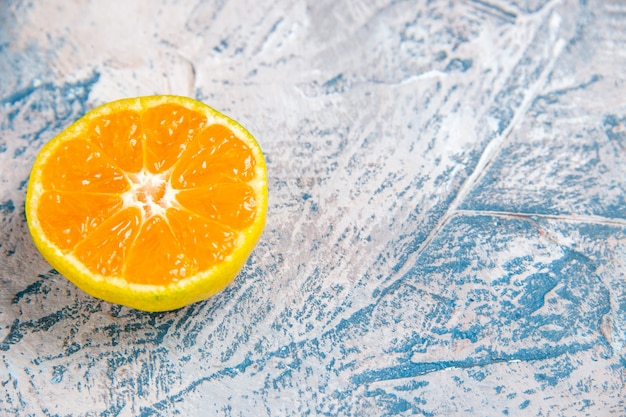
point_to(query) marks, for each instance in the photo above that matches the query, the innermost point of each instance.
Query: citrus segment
(215, 156)
(104, 251)
(154, 202)
(119, 136)
(171, 126)
(79, 166)
(67, 218)
(231, 204)
(167, 257)
(207, 242)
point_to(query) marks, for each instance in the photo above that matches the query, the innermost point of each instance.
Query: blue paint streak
(459, 65)
(48, 104)
(411, 370)
(7, 207)
(57, 373)
(495, 9)
(34, 288)
(17, 96)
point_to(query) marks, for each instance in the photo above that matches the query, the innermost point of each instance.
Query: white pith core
(152, 193)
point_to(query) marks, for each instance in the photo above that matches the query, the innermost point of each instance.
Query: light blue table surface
(446, 233)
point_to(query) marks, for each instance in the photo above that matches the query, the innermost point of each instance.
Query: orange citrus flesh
(152, 202)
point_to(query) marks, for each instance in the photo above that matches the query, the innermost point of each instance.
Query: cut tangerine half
(151, 202)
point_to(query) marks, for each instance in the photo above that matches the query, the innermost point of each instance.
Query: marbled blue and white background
(447, 221)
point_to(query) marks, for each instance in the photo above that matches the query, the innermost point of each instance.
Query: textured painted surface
(447, 221)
